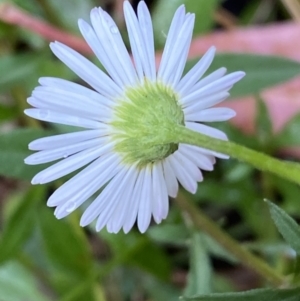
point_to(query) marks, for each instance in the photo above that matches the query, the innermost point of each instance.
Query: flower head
(125, 116)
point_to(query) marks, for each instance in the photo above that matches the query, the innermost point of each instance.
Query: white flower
(124, 115)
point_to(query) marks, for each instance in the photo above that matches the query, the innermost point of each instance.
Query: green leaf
(20, 225)
(297, 270)
(82, 291)
(164, 11)
(151, 259)
(263, 123)
(214, 248)
(69, 17)
(65, 244)
(13, 151)
(160, 291)
(7, 112)
(138, 251)
(262, 71)
(169, 233)
(199, 277)
(25, 69)
(55, 68)
(17, 283)
(289, 135)
(204, 13)
(253, 295)
(288, 228)
(21, 69)
(289, 193)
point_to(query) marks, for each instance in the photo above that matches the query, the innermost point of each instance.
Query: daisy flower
(122, 118)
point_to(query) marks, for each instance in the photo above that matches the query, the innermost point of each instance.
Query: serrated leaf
(262, 71)
(20, 225)
(288, 228)
(13, 151)
(253, 295)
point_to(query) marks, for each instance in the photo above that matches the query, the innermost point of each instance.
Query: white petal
(56, 141)
(191, 167)
(123, 210)
(68, 103)
(55, 117)
(70, 164)
(196, 72)
(105, 201)
(66, 87)
(121, 50)
(212, 77)
(147, 34)
(206, 130)
(205, 102)
(181, 62)
(186, 172)
(93, 41)
(203, 161)
(211, 115)
(46, 156)
(88, 181)
(86, 70)
(170, 179)
(160, 207)
(181, 43)
(138, 47)
(59, 104)
(113, 52)
(209, 131)
(176, 25)
(133, 206)
(117, 185)
(221, 85)
(145, 204)
(207, 152)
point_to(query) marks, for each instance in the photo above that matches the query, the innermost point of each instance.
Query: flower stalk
(287, 170)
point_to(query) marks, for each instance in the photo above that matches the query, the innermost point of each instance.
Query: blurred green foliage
(44, 259)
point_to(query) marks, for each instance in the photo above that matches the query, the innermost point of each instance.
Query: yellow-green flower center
(141, 121)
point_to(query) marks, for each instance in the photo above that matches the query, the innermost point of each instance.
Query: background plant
(42, 258)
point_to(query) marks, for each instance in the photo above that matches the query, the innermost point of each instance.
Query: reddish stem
(13, 15)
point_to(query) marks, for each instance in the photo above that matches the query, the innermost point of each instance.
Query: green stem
(263, 162)
(203, 223)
